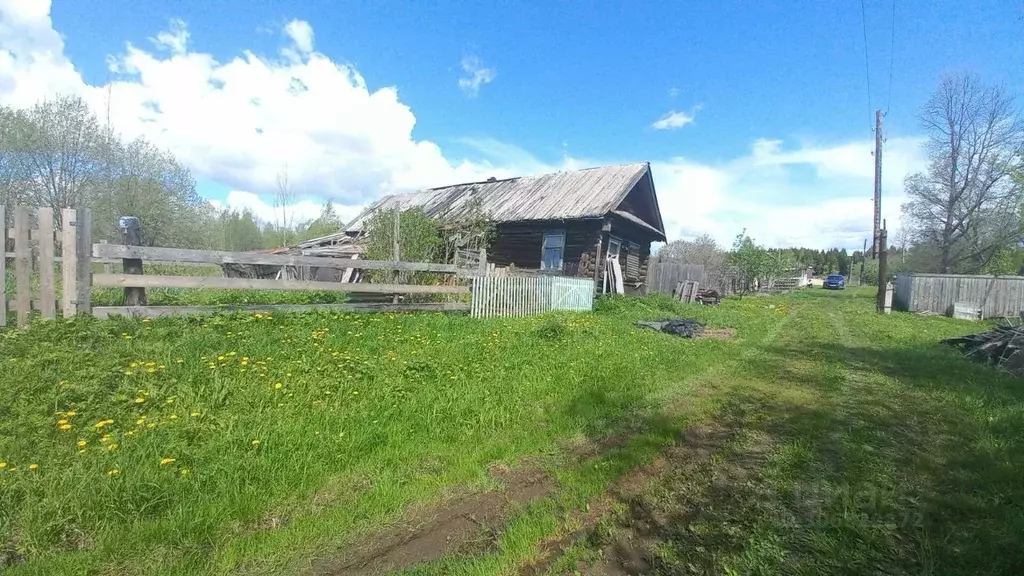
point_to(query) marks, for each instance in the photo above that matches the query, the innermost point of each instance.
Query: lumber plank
(122, 280)
(47, 286)
(164, 311)
(118, 251)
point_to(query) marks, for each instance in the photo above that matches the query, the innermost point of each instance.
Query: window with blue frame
(552, 250)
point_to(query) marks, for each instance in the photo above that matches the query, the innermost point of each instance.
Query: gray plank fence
(663, 277)
(995, 296)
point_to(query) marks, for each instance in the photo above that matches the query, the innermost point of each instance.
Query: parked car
(834, 282)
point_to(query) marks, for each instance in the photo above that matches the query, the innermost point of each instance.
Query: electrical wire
(892, 48)
(867, 68)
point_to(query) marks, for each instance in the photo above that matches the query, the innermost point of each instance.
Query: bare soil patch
(457, 526)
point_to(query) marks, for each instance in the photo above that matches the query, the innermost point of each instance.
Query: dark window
(552, 250)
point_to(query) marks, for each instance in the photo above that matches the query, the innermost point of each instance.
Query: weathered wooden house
(566, 223)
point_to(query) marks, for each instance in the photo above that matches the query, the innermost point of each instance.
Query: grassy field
(819, 438)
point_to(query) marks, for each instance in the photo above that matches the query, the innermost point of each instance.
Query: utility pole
(883, 272)
(875, 248)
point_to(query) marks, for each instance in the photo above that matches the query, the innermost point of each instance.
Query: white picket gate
(508, 296)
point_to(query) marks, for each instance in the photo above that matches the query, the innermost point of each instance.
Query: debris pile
(1002, 346)
(685, 327)
(708, 297)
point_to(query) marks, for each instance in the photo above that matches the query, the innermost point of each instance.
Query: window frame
(547, 244)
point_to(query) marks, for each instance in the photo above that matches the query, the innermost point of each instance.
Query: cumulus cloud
(301, 33)
(175, 39)
(810, 195)
(476, 75)
(674, 120)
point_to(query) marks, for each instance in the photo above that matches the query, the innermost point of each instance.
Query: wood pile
(708, 297)
(1002, 346)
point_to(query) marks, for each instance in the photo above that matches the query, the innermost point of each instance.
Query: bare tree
(702, 250)
(968, 202)
(284, 199)
(63, 154)
(13, 181)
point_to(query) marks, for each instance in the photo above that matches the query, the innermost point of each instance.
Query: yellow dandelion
(179, 361)
(130, 433)
(81, 451)
(81, 443)
(105, 438)
(183, 471)
(194, 414)
(113, 472)
(65, 427)
(70, 413)
(150, 370)
(3, 465)
(128, 372)
(140, 400)
(171, 400)
(33, 466)
(167, 461)
(173, 416)
(112, 447)
(278, 386)
(140, 420)
(255, 442)
(162, 367)
(221, 358)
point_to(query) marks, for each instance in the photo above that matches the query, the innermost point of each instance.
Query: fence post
(69, 262)
(131, 235)
(482, 264)
(83, 259)
(883, 259)
(3, 266)
(107, 266)
(47, 289)
(396, 248)
(22, 254)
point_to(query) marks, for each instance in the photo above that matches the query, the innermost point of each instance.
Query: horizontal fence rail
(143, 281)
(163, 311)
(511, 296)
(152, 253)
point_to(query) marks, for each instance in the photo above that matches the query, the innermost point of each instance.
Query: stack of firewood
(1002, 346)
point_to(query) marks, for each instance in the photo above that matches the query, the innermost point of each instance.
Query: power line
(867, 69)
(892, 48)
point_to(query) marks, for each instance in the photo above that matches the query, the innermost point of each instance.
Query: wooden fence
(508, 296)
(34, 261)
(995, 296)
(34, 256)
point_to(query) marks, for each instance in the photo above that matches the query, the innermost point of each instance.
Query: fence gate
(508, 296)
(35, 237)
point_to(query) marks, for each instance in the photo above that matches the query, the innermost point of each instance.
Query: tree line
(58, 154)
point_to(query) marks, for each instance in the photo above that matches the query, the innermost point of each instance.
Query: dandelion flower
(70, 413)
(3, 465)
(140, 421)
(81, 443)
(173, 417)
(113, 472)
(255, 442)
(194, 414)
(140, 400)
(221, 358)
(65, 427)
(170, 400)
(183, 471)
(150, 370)
(167, 461)
(278, 386)
(33, 466)
(112, 447)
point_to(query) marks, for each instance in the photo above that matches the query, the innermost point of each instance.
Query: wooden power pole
(875, 247)
(883, 270)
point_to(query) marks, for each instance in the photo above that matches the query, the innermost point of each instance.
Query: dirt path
(458, 526)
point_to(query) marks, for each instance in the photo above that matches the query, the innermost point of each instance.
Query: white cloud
(301, 33)
(816, 196)
(477, 75)
(674, 120)
(175, 39)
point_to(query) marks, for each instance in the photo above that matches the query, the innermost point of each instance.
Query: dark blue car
(835, 282)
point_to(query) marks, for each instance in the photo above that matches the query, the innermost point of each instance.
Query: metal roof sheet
(588, 193)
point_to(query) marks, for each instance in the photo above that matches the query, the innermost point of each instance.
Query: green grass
(855, 442)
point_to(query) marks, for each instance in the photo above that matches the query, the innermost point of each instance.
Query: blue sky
(771, 131)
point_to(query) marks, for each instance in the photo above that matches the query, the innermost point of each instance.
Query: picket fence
(510, 296)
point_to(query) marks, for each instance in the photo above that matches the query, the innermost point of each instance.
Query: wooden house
(566, 223)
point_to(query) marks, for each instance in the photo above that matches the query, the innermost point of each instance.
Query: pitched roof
(588, 193)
